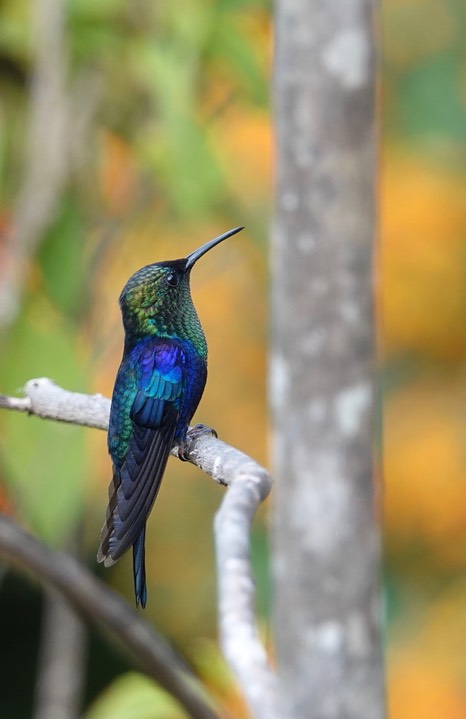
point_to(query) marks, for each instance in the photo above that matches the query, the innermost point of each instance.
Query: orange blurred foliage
(423, 312)
(244, 140)
(423, 254)
(118, 176)
(426, 668)
(6, 505)
(419, 686)
(425, 467)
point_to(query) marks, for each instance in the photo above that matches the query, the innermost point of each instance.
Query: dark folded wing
(154, 415)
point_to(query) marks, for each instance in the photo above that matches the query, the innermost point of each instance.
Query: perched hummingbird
(157, 389)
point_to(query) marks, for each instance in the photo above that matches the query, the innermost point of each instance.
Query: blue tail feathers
(139, 568)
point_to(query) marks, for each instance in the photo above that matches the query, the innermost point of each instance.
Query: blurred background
(132, 132)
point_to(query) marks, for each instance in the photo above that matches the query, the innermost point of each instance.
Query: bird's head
(157, 298)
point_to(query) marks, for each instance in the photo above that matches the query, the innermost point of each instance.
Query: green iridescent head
(156, 300)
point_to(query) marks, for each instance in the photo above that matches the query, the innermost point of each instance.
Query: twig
(248, 483)
(104, 608)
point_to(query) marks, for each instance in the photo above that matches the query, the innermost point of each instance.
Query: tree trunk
(326, 536)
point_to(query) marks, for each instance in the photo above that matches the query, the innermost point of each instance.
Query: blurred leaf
(426, 669)
(238, 53)
(420, 686)
(15, 37)
(177, 146)
(61, 259)
(45, 465)
(423, 258)
(233, 136)
(95, 29)
(44, 461)
(424, 469)
(217, 675)
(401, 22)
(96, 12)
(134, 696)
(430, 98)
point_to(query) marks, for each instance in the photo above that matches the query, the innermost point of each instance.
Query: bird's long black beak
(194, 256)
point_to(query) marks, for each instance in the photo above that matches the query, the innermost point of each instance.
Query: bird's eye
(172, 279)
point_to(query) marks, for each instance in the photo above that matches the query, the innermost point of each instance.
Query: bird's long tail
(139, 568)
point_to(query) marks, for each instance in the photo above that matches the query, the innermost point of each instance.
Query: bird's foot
(194, 433)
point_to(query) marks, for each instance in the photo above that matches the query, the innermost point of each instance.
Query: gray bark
(326, 539)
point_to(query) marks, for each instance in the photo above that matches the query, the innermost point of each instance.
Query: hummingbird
(158, 387)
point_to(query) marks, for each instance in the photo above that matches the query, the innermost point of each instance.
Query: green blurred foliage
(134, 696)
(44, 463)
(63, 264)
(424, 79)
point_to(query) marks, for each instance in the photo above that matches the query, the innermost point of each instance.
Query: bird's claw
(194, 433)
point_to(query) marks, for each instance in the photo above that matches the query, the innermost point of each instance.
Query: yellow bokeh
(424, 465)
(423, 255)
(419, 687)
(426, 668)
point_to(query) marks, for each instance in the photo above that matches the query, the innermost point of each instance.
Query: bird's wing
(159, 369)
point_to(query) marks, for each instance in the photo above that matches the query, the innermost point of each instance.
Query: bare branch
(104, 608)
(249, 484)
(240, 642)
(46, 399)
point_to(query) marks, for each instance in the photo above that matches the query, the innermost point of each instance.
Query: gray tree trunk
(326, 537)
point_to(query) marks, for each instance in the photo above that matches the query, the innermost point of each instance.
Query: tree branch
(104, 608)
(61, 665)
(46, 399)
(240, 642)
(248, 483)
